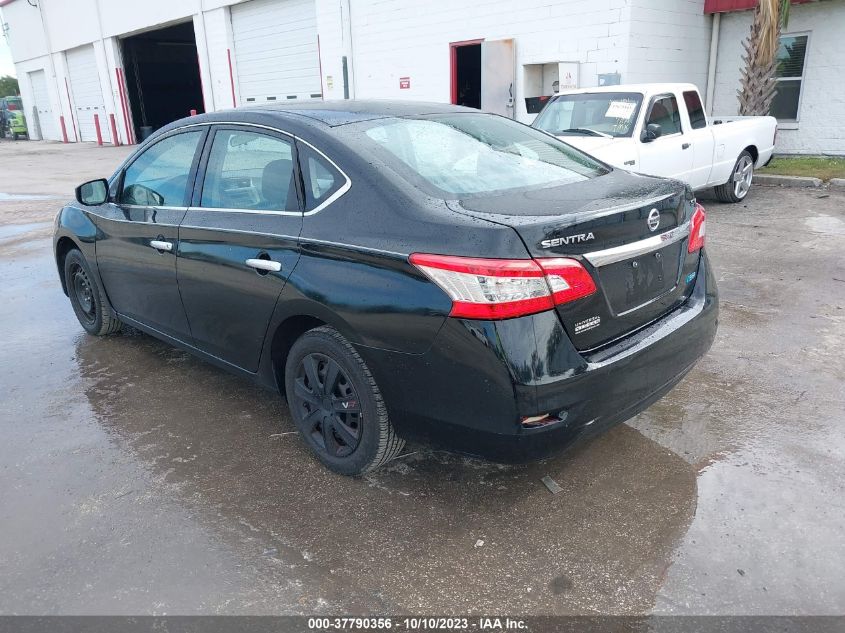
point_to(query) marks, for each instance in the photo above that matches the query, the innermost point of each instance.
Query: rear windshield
(591, 114)
(13, 104)
(471, 154)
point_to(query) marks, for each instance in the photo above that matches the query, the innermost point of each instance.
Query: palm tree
(761, 49)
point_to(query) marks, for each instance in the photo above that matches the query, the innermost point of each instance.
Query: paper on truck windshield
(620, 110)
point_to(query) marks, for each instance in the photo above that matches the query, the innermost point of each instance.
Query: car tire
(736, 190)
(14, 136)
(345, 423)
(88, 297)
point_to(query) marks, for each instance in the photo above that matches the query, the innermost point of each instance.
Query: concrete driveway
(137, 479)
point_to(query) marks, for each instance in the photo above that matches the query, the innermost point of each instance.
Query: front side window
(465, 154)
(591, 114)
(789, 76)
(159, 176)
(697, 117)
(250, 170)
(664, 112)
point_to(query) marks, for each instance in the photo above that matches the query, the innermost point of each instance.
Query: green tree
(761, 47)
(8, 86)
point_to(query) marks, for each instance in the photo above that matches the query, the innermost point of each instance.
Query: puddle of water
(14, 230)
(6, 197)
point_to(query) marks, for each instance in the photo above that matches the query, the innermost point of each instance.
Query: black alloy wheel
(331, 409)
(337, 405)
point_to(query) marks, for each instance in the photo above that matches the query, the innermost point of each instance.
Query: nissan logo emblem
(653, 219)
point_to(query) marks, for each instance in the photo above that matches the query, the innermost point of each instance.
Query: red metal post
(70, 105)
(64, 128)
(231, 77)
(97, 128)
(123, 105)
(115, 139)
(320, 63)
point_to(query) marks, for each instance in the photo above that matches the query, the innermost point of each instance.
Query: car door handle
(264, 264)
(685, 146)
(161, 246)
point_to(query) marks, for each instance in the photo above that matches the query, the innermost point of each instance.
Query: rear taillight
(505, 288)
(696, 232)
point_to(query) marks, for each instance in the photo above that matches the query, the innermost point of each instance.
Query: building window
(789, 76)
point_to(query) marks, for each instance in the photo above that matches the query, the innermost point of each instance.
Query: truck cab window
(697, 118)
(664, 112)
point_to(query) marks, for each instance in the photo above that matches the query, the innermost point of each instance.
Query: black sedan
(400, 270)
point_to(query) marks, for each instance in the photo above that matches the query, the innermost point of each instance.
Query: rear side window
(465, 154)
(697, 118)
(320, 177)
(664, 112)
(249, 170)
(159, 176)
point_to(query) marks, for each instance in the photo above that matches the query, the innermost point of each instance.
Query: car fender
(73, 224)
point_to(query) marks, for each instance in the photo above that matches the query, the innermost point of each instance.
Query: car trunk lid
(629, 231)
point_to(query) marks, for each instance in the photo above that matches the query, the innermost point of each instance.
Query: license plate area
(636, 282)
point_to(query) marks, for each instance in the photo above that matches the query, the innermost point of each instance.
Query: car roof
(334, 113)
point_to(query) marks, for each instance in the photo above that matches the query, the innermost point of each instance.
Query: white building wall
(670, 41)
(70, 24)
(396, 38)
(334, 45)
(821, 125)
(218, 49)
(26, 35)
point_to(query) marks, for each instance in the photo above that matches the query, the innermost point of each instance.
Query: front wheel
(88, 298)
(739, 184)
(336, 404)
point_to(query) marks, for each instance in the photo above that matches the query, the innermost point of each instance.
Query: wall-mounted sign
(404, 83)
(567, 75)
(329, 82)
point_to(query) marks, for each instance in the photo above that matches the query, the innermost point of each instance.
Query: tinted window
(478, 153)
(321, 178)
(612, 113)
(249, 170)
(664, 112)
(159, 176)
(696, 111)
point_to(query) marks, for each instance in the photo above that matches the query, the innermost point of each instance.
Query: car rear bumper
(472, 389)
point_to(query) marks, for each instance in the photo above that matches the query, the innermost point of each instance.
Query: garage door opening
(162, 77)
(466, 73)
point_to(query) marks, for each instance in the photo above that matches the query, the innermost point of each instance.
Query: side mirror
(93, 193)
(652, 131)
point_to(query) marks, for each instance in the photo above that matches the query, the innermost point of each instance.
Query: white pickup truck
(662, 130)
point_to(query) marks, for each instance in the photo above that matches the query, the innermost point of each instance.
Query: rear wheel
(336, 404)
(88, 298)
(739, 184)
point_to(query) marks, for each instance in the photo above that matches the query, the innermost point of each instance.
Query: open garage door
(46, 124)
(276, 50)
(85, 90)
(162, 76)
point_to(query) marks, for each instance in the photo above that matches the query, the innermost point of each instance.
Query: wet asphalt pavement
(137, 479)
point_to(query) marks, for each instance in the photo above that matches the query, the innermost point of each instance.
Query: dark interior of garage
(468, 75)
(162, 76)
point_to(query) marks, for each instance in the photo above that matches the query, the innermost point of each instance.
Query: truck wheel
(88, 297)
(336, 404)
(737, 187)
